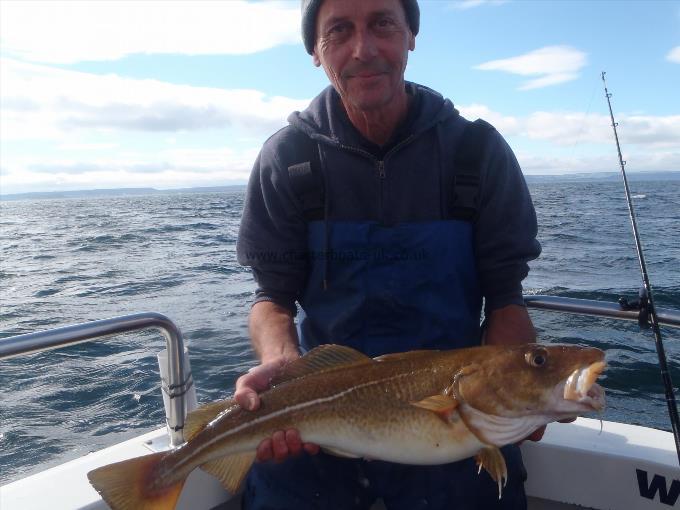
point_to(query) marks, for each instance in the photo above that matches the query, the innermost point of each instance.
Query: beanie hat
(310, 8)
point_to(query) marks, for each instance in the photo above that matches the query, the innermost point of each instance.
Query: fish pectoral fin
(198, 419)
(339, 453)
(231, 470)
(491, 459)
(319, 359)
(442, 405)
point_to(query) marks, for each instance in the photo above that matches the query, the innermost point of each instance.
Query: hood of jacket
(324, 120)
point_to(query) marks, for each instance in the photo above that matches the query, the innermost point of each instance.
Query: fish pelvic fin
(124, 485)
(231, 470)
(442, 405)
(491, 459)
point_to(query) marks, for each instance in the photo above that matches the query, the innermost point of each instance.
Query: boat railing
(179, 384)
(623, 310)
(179, 379)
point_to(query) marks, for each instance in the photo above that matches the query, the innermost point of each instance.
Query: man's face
(363, 47)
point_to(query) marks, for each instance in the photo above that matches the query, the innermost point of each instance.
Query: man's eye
(337, 29)
(384, 23)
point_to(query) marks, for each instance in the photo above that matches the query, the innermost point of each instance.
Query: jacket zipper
(380, 164)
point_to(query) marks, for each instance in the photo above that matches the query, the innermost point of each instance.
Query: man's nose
(365, 47)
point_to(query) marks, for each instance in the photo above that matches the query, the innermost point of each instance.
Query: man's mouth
(366, 75)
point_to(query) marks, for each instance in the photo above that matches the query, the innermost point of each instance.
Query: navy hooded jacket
(405, 183)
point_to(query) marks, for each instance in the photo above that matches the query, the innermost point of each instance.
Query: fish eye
(537, 357)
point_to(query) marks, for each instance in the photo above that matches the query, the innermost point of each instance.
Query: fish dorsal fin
(404, 355)
(198, 419)
(442, 405)
(320, 359)
(230, 470)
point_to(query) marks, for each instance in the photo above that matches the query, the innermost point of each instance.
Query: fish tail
(124, 485)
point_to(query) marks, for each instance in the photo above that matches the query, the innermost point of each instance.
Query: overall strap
(467, 166)
(463, 203)
(307, 182)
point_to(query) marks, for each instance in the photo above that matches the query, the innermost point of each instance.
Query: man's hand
(282, 444)
(274, 338)
(257, 380)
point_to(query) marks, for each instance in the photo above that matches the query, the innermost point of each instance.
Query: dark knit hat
(310, 8)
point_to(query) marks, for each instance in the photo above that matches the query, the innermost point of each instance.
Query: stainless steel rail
(179, 381)
(666, 317)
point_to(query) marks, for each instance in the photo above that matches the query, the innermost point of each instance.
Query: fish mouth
(580, 387)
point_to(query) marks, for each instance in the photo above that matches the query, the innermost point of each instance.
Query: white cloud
(572, 142)
(81, 130)
(505, 124)
(74, 31)
(637, 161)
(42, 102)
(674, 55)
(570, 128)
(552, 65)
(566, 129)
(471, 4)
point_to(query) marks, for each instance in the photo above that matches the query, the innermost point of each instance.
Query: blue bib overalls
(380, 289)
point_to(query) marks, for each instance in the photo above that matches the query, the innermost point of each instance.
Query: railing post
(180, 380)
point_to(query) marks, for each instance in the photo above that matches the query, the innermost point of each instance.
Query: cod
(419, 407)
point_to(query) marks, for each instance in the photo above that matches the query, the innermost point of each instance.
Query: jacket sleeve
(505, 236)
(272, 237)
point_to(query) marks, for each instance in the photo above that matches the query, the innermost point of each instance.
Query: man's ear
(315, 58)
(411, 41)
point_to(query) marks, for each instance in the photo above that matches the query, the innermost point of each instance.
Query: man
(372, 212)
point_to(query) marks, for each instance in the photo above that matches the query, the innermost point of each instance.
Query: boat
(587, 463)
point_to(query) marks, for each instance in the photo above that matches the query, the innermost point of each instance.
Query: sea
(66, 261)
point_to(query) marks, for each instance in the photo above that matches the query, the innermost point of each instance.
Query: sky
(97, 94)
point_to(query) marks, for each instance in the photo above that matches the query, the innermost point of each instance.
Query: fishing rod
(646, 304)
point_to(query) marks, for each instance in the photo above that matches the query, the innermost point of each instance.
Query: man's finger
(257, 378)
(293, 441)
(246, 393)
(311, 448)
(279, 446)
(247, 398)
(264, 450)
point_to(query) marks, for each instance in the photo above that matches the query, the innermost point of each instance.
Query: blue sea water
(73, 260)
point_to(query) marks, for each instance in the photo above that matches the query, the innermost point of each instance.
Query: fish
(420, 407)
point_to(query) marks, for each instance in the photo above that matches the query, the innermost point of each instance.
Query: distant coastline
(671, 175)
(120, 192)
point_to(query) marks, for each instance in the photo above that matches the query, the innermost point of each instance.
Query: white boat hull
(623, 468)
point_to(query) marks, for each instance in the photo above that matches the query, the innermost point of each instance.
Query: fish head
(524, 387)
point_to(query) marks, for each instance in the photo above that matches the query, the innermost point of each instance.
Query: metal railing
(666, 316)
(179, 381)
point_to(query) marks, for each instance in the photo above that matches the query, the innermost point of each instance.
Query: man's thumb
(247, 398)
